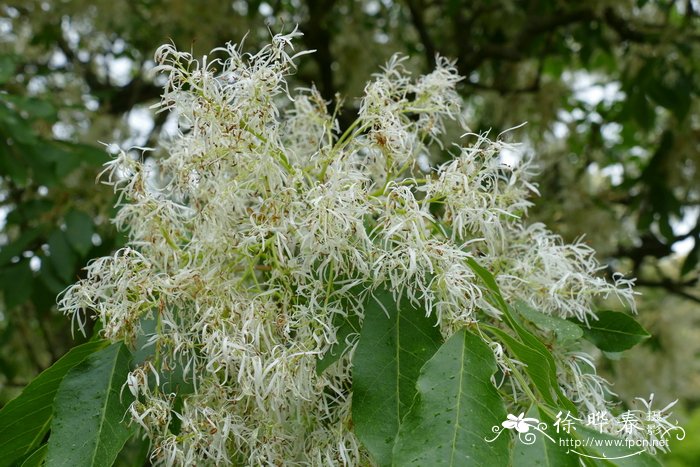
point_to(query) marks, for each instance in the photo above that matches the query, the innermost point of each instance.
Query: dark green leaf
(79, 228)
(614, 331)
(455, 409)
(135, 452)
(665, 227)
(89, 155)
(62, 258)
(89, 403)
(346, 327)
(29, 211)
(16, 248)
(16, 283)
(41, 166)
(642, 110)
(543, 452)
(25, 419)
(541, 367)
(691, 261)
(7, 68)
(173, 381)
(565, 331)
(389, 355)
(37, 458)
(64, 159)
(538, 367)
(18, 129)
(490, 281)
(49, 280)
(32, 107)
(673, 96)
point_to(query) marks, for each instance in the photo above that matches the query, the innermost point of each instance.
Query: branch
(672, 287)
(317, 36)
(418, 23)
(557, 20)
(504, 90)
(515, 48)
(623, 29)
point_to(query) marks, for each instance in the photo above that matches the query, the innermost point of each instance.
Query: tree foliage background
(609, 90)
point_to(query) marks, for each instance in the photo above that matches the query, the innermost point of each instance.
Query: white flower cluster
(264, 224)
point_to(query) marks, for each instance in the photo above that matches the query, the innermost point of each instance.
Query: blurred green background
(610, 90)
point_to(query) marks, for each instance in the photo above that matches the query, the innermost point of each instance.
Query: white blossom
(264, 223)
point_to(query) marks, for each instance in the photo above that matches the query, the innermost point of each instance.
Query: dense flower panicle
(481, 195)
(561, 278)
(264, 224)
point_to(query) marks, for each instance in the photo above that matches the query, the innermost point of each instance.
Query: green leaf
(490, 281)
(16, 248)
(32, 107)
(64, 159)
(135, 452)
(79, 229)
(90, 404)
(41, 167)
(614, 331)
(537, 367)
(37, 458)
(641, 109)
(27, 212)
(386, 363)
(346, 326)
(18, 129)
(565, 331)
(456, 407)
(16, 283)
(62, 257)
(691, 261)
(543, 452)
(49, 280)
(87, 154)
(541, 367)
(25, 419)
(171, 381)
(7, 68)
(672, 95)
